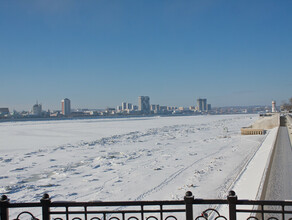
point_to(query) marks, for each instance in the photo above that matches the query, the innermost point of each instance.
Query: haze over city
(99, 53)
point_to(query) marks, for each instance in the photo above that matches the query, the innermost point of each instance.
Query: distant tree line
(287, 106)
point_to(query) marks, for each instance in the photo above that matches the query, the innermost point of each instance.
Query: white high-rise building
(124, 106)
(66, 107)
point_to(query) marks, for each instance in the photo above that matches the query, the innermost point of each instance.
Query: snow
(150, 158)
(256, 170)
(249, 183)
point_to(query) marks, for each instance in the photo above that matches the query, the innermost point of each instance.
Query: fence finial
(232, 200)
(46, 196)
(4, 198)
(4, 211)
(189, 198)
(46, 201)
(189, 193)
(231, 193)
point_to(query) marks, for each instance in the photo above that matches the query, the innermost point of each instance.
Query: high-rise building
(144, 104)
(66, 107)
(129, 106)
(202, 105)
(124, 106)
(37, 109)
(199, 105)
(209, 108)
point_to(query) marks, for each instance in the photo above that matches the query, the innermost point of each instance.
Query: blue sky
(99, 53)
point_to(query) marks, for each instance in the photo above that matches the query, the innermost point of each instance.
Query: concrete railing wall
(289, 126)
(289, 119)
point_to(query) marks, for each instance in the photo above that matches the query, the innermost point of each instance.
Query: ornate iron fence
(231, 207)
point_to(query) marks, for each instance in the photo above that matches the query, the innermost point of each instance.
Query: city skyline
(132, 104)
(98, 53)
(143, 105)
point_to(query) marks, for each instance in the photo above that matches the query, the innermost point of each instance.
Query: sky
(99, 53)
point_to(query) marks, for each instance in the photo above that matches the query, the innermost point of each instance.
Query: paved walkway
(289, 125)
(279, 186)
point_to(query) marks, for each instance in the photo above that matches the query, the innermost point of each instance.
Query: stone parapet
(252, 131)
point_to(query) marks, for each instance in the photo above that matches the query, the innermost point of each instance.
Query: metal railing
(150, 210)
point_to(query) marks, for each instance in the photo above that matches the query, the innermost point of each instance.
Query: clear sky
(99, 53)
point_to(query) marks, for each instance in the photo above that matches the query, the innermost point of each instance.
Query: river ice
(150, 158)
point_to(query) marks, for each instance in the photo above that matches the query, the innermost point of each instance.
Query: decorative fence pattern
(150, 210)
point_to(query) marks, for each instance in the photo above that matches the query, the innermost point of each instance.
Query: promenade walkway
(280, 179)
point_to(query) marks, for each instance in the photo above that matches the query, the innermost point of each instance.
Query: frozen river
(149, 158)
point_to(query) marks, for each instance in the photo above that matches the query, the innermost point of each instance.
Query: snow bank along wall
(261, 161)
(251, 182)
(265, 122)
(268, 121)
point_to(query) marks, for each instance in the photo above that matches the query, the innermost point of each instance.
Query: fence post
(232, 200)
(4, 211)
(189, 198)
(46, 201)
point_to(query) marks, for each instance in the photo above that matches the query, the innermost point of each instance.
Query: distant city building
(274, 106)
(209, 108)
(154, 107)
(129, 106)
(55, 114)
(66, 107)
(163, 108)
(119, 108)
(109, 111)
(144, 104)
(169, 108)
(135, 107)
(4, 111)
(37, 109)
(199, 105)
(124, 106)
(202, 105)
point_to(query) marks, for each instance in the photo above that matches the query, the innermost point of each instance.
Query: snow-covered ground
(151, 158)
(249, 183)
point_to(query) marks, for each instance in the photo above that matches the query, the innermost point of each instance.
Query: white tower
(274, 106)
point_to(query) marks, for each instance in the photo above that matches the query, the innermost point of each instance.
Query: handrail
(148, 210)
